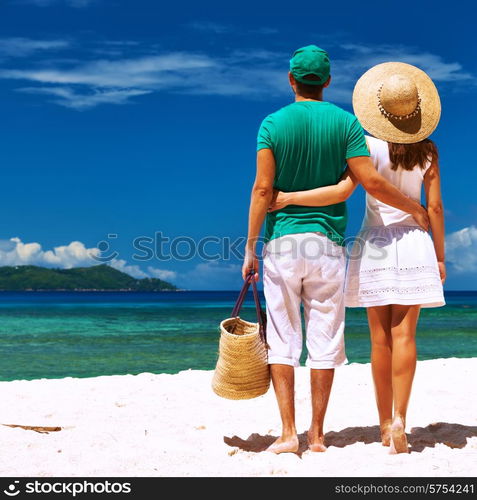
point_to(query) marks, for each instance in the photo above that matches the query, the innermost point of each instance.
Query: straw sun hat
(397, 102)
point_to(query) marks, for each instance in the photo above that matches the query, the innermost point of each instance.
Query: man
(303, 146)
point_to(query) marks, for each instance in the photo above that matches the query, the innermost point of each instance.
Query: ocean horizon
(57, 334)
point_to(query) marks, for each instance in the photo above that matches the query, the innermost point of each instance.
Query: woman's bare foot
(316, 442)
(386, 432)
(284, 445)
(398, 436)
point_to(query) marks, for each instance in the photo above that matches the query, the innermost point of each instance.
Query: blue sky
(135, 118)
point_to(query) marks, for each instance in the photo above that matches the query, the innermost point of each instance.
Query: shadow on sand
(452, 435)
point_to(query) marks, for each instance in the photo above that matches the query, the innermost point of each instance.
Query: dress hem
(400, 301)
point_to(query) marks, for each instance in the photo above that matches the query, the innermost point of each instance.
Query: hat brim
(415, 129)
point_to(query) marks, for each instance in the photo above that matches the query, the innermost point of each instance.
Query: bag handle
(261, 315)
(241, 297)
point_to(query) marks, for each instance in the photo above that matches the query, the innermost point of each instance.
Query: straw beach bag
(242, 370)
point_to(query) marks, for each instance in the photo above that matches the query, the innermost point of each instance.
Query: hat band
(387, 114)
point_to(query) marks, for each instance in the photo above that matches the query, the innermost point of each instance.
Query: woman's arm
(319, 197)
(435, 209)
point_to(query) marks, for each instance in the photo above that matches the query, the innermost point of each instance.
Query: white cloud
(23, 47)
(212, 275)
(162, 274)
(133, 270)
(115, 81)
(136, 272)
(461, 250)
(69, 98)
(434, 65)
(357, 59)
(14, 252)
(149, 72)
(249, 74)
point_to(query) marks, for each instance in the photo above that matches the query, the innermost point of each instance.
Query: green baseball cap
(310, 60)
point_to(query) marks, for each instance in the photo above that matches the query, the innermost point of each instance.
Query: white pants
(305, 268)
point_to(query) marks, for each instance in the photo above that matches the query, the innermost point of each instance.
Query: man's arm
(261, 198)
(376, 185)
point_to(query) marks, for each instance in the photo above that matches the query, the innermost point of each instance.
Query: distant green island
(96, 278)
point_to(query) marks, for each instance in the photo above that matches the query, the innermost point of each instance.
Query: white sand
(174, 425)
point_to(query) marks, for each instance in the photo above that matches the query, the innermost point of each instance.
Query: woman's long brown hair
(408, 156)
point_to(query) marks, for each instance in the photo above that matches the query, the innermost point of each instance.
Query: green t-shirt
(311, 141)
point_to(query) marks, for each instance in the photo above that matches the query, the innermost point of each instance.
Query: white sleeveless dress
(393, 260)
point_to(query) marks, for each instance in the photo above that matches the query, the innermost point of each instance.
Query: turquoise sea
(85, 334)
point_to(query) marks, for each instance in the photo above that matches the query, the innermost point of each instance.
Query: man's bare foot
(316, 442)
(398, 436)
(284, 445)
(386, 432)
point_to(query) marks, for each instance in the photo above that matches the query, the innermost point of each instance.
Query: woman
(395, 267)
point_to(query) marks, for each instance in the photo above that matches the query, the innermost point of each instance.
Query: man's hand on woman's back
(421, 217)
